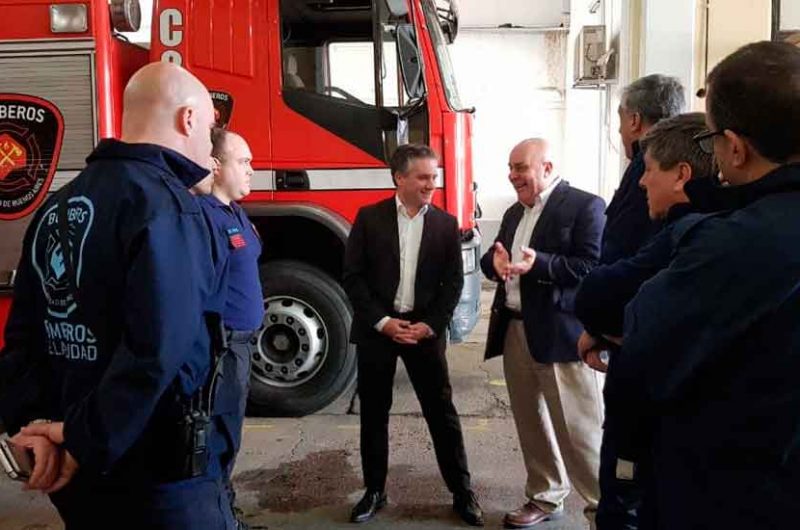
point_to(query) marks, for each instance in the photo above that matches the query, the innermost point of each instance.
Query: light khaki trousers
(558, 410)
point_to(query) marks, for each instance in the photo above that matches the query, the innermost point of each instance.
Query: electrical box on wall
(594, 65)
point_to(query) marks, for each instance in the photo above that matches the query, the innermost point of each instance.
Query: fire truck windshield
(442, 55)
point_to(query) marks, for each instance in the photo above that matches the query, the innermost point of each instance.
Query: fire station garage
(547, 120)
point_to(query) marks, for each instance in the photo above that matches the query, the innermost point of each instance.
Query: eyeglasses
(706, 140)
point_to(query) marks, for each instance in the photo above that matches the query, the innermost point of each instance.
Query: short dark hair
(404, 154)
(755, 92)
(670, 142)
(218, 138)
(654, 97)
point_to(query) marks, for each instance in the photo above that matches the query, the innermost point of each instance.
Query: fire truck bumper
(468, 310)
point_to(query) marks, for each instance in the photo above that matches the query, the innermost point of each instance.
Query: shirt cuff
(381, 323)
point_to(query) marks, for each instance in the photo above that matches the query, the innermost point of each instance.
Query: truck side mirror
(410, 61)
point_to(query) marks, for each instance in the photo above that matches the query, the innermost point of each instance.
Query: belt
(514, 315)
(234, 335)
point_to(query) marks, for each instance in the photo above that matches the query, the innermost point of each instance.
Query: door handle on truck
(291, 180)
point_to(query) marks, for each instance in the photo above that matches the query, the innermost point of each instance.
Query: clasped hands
(503, 266)
(404, 332)
(53, 466)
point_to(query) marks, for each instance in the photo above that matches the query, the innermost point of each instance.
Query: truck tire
(302, 359)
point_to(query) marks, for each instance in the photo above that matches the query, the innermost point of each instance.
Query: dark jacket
(372, 268)
(607, 289)
(628, 223)
(567, 244)
(112, 363)
(712, 347)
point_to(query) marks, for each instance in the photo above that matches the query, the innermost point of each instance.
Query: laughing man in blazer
(547, 242)
(403, 275)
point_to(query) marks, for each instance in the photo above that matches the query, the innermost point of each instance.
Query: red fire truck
(323, 90)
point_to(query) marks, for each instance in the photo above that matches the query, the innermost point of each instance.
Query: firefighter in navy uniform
(243, 310)
(117, 279)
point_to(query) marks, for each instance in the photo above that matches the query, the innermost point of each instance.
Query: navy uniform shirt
(112, 363)
(244, 301)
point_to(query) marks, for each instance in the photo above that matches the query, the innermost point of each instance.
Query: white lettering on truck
(169, 36)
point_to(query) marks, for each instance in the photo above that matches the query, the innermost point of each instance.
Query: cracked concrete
(305, 474)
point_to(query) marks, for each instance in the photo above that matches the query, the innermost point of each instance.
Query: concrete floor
(305, 473)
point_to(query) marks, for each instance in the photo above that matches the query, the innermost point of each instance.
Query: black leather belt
(514, 315)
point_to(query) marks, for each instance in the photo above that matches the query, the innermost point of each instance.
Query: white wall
(594, 158)
(790, 14)
(669, 38)
(518, 12)
(515, 80)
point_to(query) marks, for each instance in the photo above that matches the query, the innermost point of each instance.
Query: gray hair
(670, 142)
(654, 97)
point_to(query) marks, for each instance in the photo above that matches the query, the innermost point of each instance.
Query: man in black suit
(403, 275)
(547, 242)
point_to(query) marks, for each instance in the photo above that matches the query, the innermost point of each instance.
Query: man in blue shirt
(673, 163)
(644, 103)
(244, 302)
(117, 278)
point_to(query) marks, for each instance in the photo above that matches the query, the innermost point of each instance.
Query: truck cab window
(332, 75)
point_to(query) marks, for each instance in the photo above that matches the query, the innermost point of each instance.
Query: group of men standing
(683, 292)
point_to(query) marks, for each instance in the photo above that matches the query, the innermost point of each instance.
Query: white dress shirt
(409, 232)
(522, 238)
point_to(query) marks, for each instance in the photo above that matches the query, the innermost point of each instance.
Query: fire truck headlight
(68, 18)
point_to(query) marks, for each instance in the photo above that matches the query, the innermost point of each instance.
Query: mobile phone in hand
(17, 461)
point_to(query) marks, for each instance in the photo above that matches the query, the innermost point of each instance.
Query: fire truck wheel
(302, 359)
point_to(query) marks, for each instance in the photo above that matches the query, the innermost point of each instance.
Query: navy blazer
(567, 244)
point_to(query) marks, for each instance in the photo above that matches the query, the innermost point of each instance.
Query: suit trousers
(426, 365)
(558, 411)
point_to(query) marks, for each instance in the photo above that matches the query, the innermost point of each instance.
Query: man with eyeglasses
(712, 346)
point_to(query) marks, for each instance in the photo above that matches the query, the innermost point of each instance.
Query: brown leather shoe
(528, 515)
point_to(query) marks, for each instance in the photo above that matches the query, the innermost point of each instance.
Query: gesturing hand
(523, 267)
(501, 261)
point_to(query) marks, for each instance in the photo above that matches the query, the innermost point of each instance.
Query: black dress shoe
(467, 507)
(368, 506)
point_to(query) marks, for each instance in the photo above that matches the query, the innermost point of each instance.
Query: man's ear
(739, 149)
(684, 175)
(186, 120)
(636, 122)
(548, 168)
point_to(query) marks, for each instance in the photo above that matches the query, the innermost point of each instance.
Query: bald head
(530, 169)
(166, 105)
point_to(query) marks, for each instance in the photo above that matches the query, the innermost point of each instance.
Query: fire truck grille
(67, 82)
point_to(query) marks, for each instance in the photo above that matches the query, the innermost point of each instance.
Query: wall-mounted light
(68, 18)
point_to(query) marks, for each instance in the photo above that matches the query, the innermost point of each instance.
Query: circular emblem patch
(31, 133)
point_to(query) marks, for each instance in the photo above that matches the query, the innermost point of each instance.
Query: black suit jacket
(372, 269)
(567, 243)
